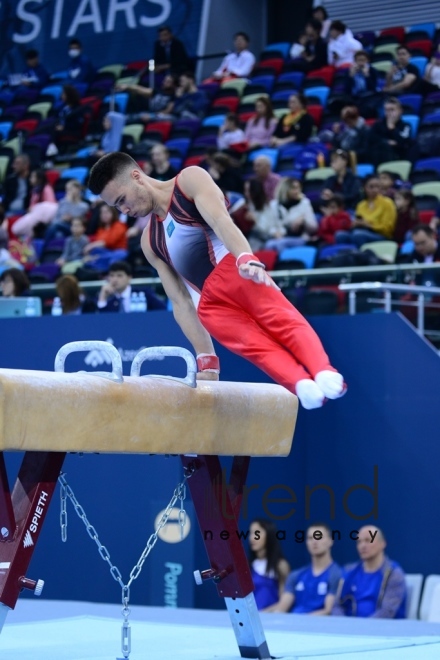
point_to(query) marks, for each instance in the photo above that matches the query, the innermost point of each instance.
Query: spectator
(80, 69)
(296, 125)
(256, 218)
(226, 176)
(149, 103)
(431, 77)
(70, 206)
(375, 586)
(375, 217)
(342, 46)
(387, 183)
(407, 215)
(260, 127)
(312, 589)
(109, 244)
(115, 294)
(320, 14)
(238, 64)
(170, 54)
(390, 137)
(435, 220)
(73, 301)
(35, 75)
(7, 261)
(403, 77)
(314, 53)
(230, 133)
(350, 135)
(17, 187)
(334, 219)
(361, 85)
(69, 121)
(113, 124)
(162, 168)
(42, 206)
(73, 252)
(14, 283)
(269, 568)
(343, 182)
(190, 102)
(296, 214)
(263, 172)
(426, 251)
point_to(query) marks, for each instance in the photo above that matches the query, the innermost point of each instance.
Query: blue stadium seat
(364, 169)
(304, 253)
(179, 144)
(289, 151)
(420, 62)
(427, 164)
(215, 120)
(282, 95)
(266, 81)
(176, 163)
(80, 173)
(431, 118)
(283, 47)
(413, 121)
(329, 251)
(320, 92)
(414, 101)
(53, 90)
(120, 100)
(5, 127)
(295, 77)
(407, 247)
(429, 28)
(272, 154)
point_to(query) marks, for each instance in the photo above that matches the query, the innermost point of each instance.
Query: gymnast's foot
(331, 384)
(310, 395)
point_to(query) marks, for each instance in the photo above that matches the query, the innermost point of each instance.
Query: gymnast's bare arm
(183, 307)
(198, 185)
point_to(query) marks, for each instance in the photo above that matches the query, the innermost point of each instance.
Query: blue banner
(111, 31)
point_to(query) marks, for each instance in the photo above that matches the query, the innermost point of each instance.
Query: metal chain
(178, 494)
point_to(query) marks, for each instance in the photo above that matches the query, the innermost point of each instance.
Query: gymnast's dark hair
(274, 553)
(108, 168)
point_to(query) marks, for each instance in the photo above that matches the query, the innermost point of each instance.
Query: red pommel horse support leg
(214, 419)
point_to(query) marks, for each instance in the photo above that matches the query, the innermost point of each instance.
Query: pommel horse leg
(22, 514)
(217, 508)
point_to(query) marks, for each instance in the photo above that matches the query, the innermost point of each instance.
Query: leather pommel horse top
(78, 412)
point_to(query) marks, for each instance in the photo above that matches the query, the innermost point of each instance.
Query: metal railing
(422, 293)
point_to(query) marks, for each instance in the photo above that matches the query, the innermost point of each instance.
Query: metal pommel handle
(159, 353)
(92, 345)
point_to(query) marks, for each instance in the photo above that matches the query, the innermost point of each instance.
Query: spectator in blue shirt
(81, 69)
(34, 75)
(312, 589)
(375, 586)
(190, 102)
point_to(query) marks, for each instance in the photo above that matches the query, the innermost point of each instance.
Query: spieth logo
(97, 358)
(27, 541)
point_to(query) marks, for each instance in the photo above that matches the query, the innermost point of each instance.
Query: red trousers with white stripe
(259, 323)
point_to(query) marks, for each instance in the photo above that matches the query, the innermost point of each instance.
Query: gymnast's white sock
(331, 384)
(309, 394)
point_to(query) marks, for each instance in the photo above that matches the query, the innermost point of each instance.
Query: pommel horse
(47, 414)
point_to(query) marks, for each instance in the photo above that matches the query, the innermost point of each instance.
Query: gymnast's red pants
(260, 324)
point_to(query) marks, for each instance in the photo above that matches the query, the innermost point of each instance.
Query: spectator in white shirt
(230, 132)
(342, 46)
(238, 64)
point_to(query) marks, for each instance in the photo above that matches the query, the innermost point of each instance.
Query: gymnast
(217, 286)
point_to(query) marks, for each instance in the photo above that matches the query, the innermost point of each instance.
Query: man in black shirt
(314, 55)
(170, 55)
(390, 137)
(403, 77)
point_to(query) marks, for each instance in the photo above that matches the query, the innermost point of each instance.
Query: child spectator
(269, 569)
(73, 253)
(335, 219)
(407, 215)
(230, 133)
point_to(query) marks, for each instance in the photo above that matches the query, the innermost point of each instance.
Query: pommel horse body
(47, 414)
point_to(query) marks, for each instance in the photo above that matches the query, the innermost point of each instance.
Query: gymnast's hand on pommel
(251, 269)
(207, 375)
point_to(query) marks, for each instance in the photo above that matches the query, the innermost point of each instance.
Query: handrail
(387, 302)
(303, 273)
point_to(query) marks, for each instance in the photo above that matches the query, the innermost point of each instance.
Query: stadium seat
(413, 583)
(237, 83)
(428, 188)
(214, 120)
(420, 47)
(4, 164)
(398, 32)
(118, 101)
(275, 63)
(294, 77)
(385, 48)
(5, 129)
(413, 121)
(304, 253)
(407, 247)
(115, 69)
(382, 67)
(326, 73)
(134, 131)
(178, 145)
(427, 28)
(426, 216)
(427, 164)
(386, 250)
(420, 62)
(42, 108)
(413, 101)
(162, 127)
(252, 98)
(400, 167)
(230, 103)
(329, 251)
(53, 90)
(282, 47)
(265, 81)
(27, 125)
(272, 154)
(431, 118)
(321, 173)
(80, 173)
(319, 93)
(282, 95)
(316, 111)
(364, 169)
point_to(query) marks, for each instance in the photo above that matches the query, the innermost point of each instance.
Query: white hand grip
(92, 345)
(159, 353)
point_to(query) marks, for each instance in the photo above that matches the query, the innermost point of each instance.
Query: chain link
(178, 494)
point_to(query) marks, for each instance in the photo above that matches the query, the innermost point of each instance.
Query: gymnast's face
(130, 193)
